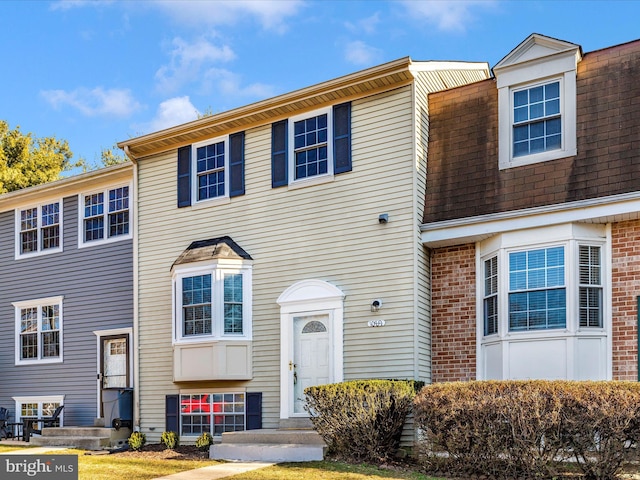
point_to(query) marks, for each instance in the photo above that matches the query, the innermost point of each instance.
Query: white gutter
(470, 229)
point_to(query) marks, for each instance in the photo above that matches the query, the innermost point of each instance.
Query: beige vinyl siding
(421, 265)
(425, 83)
(328, 231)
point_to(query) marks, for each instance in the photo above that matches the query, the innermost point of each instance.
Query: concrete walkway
(214, 472)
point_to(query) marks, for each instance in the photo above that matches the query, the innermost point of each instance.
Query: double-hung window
(213, 303)
(39, 331)
(38, 229)
(211, 177)
(491, 296)
(590, 296)
(537, 125)
(105, 215)
(309, 146)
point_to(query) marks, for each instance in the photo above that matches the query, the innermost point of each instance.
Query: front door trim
(308, 297)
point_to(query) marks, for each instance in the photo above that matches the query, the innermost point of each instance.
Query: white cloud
(94, 102)
(188, 60)
(69, 4)
(229, 84)
(170, 113)
(450, 15)
(359, 53)
(272, 14)
(365, 25)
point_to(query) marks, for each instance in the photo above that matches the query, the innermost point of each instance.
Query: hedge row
(361, 419)
(528, 428)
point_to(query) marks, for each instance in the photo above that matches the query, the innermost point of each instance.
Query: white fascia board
(471, 229)
(434, 66)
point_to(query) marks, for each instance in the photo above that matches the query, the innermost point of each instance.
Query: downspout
(638, 332)
(136, 345)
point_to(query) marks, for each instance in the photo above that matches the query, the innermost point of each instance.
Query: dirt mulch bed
(156, 451)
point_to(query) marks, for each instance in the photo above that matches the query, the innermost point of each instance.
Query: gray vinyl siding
(96, 283)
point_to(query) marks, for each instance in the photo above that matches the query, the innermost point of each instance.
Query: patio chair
(27, 423)
(5, 432)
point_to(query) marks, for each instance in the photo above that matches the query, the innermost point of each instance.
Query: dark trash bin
(117, 406)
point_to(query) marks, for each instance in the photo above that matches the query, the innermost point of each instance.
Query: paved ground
(215, 472)
(212, 472)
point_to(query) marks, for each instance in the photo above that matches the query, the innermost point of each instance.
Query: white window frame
(40, 400)
(39, 228)
(571, 236)
(217, 270)
(38, 303)
(291, 154)
(223, 391)
(571, 286)
(105, 214)
(194, 169)
(562, 70)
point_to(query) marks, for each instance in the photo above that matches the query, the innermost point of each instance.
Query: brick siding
(625, 246)
(453, 303)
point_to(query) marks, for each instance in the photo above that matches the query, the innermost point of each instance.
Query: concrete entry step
(84, 443)
(270, 445)
(86, 438)
(273, 436)
(267, 452)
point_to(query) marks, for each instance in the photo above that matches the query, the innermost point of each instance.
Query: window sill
(21, 363)
(210, 202)
(307, 182)
(95, 243)
(209, 340)
(49, 251)
(538, 158)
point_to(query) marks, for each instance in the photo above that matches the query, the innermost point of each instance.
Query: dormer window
(537, 124)
(537, 102)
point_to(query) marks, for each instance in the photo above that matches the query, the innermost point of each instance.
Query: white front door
(312, 356)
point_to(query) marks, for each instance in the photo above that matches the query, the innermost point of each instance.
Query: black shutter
(342, 138)
(236, 164)
(254, 410)
(279, 168)
(171, 412)
(184, 176)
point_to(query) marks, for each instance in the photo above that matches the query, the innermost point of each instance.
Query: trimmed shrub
(204, 441)
(528, 428)
(137, 440)
(170, 440)
(361, 419)
(602, 426)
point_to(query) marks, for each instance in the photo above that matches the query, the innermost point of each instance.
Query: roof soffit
(377, 79)
(68, 186)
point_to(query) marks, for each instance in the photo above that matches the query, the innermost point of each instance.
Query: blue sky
(98, 72)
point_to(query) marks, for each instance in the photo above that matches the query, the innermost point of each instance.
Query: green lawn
(328, 470)
(108, 467)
